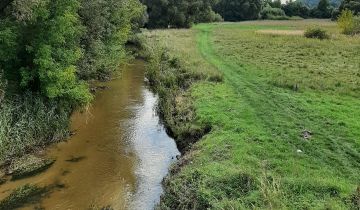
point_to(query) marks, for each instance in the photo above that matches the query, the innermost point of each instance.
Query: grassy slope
(251, 158)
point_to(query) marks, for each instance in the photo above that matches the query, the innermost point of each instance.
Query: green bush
(348, 23)
(316, 33)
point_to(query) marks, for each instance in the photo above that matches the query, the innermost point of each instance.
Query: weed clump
(184, 193)
(29, 165)
(355, 199)
(28, 121)
(316, 33)
(20, 196)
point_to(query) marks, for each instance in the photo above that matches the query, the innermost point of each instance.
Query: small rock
(72, 133)
(75, 159)
(299, 151)
(306, 134)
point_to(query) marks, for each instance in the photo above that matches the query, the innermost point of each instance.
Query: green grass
(276, 89)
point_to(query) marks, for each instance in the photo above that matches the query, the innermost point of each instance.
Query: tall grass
(29, 121)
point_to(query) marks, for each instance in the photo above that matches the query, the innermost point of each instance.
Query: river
(117, 157)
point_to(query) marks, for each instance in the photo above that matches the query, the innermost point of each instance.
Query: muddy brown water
(118, 156)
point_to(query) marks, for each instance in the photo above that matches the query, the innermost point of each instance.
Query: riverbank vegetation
(273, 103)
(284, 120)
(48, 51)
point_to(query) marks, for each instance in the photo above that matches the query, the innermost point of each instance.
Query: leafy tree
(54, 51)
(352, 5)
(275, 4)
(179, 13)
(41, 47)
(46, 48)
(323, 10)
(296, 8)
(323, 5)
(236, 10)
(109, 24)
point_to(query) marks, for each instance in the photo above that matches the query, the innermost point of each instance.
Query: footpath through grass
(285, 121)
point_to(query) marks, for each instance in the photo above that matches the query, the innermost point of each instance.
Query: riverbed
(118, 155)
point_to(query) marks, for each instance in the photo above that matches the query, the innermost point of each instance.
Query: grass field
(285, 120)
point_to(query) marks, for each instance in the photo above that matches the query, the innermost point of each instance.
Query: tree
(352, 5)
(236, 10)
(269, 12)
(108, 26)
(275, 4)
(179, 13)
(48, 46)
(296, 8)
(323, 10)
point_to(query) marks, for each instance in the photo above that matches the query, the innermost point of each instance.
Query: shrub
(316, 33)
(348, 23)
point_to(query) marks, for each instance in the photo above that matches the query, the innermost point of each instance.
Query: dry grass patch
(282, 32)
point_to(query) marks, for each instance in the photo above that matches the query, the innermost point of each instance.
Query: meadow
(284, 115)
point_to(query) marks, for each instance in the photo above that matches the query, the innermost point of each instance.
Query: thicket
(47, 50)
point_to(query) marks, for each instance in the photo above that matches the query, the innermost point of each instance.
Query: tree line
(184, 13)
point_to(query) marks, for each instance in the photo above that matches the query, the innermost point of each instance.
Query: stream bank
(117, 157)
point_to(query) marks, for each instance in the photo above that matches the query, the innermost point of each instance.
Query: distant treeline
(184, 13)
